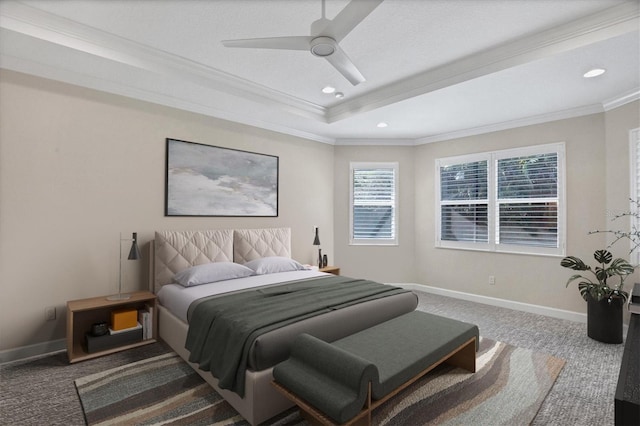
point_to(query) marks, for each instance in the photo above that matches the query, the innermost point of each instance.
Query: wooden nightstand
(335, 270)
(83, 313)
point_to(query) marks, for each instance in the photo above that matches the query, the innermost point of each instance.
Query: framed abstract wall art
(206, 180)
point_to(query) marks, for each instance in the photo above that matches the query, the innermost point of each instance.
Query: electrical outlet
(50, 313)
(492, 280)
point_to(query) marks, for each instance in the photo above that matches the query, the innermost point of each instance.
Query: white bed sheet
(177, 298)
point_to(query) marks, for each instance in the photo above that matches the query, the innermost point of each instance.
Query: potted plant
(604, 300)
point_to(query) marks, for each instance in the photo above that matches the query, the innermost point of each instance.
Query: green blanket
(222, 329)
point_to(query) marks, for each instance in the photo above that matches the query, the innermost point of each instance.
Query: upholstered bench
(345, 380)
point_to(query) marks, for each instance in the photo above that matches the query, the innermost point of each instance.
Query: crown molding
(112, 87)
(83, 80)
(622, 99)
(618, 101)
(375, 142)
(527, 121)
(54, 29)
(611, 22)
(37, 24)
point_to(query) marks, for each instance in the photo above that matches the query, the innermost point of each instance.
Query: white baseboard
(502, 303)
(38, 349)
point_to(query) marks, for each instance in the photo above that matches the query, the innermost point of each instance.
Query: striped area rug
(508, 389)
(159, 390)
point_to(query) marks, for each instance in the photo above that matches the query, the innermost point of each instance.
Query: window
(508, 201)
(464, 202)
(634, 137)
(373, 210)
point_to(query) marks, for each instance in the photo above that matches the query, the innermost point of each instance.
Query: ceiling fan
(324, 38)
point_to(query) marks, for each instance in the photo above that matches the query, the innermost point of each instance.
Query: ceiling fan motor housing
(323, 46)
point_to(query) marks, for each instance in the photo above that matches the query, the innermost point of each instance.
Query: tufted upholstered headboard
(173, 251)
(249, 244)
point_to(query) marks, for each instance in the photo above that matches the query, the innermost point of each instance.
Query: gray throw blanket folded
(222, 329)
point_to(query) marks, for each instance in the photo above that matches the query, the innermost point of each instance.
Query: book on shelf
(124, 330)
(145, 317)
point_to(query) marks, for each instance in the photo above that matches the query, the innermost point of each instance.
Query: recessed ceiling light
(328, 89)
(339, 95)
(594, 72)
(382, 125)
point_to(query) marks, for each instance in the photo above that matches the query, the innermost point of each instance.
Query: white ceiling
(435, 69)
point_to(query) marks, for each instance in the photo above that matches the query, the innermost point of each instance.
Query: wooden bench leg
(464, 357)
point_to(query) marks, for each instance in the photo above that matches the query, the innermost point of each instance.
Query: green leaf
(585, 289)
(620, 267)
(574, 263)
(602, 256)
(572, 278)
(601, 275)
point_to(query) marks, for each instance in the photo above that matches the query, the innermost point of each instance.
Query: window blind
(510, 200)
(464, 211)
(528, 200)
(374, 199)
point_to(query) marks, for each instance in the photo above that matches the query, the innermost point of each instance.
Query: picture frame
(207, 180)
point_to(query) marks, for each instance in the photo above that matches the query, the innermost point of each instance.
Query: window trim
(492, 158)
(375, 241)
(634, 172)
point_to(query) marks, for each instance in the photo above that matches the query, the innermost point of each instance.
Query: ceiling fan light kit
(324, 38)
(323, 46)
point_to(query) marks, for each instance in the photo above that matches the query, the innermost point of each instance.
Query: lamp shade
(316, 240)
(134, 252)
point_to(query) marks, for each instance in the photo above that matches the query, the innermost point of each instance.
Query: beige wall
(381, 263)
(536, 280)
(618, 123)
(77, 167)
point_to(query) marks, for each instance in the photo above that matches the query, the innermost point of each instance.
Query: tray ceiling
(434, 69)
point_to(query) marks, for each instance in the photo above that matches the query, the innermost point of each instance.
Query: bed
(174, 252)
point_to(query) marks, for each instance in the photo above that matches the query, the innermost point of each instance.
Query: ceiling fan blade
(343, 64)
(349, 18)
(287, 43)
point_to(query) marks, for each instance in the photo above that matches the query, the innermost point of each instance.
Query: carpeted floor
(585, 390)
(508, 387)
(41, 391)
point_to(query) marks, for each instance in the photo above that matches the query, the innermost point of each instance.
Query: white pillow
(273, 264)
(211, 273)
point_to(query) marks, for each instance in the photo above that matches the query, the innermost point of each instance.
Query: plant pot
(604, 320)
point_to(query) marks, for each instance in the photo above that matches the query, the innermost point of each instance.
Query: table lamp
(134, 254)
(316, 242)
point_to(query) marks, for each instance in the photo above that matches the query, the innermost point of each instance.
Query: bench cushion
(404, 346)
(333, 377)
(327, 377)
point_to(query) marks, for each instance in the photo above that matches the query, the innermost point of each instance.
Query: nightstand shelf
(83, 313)
(335, 270)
